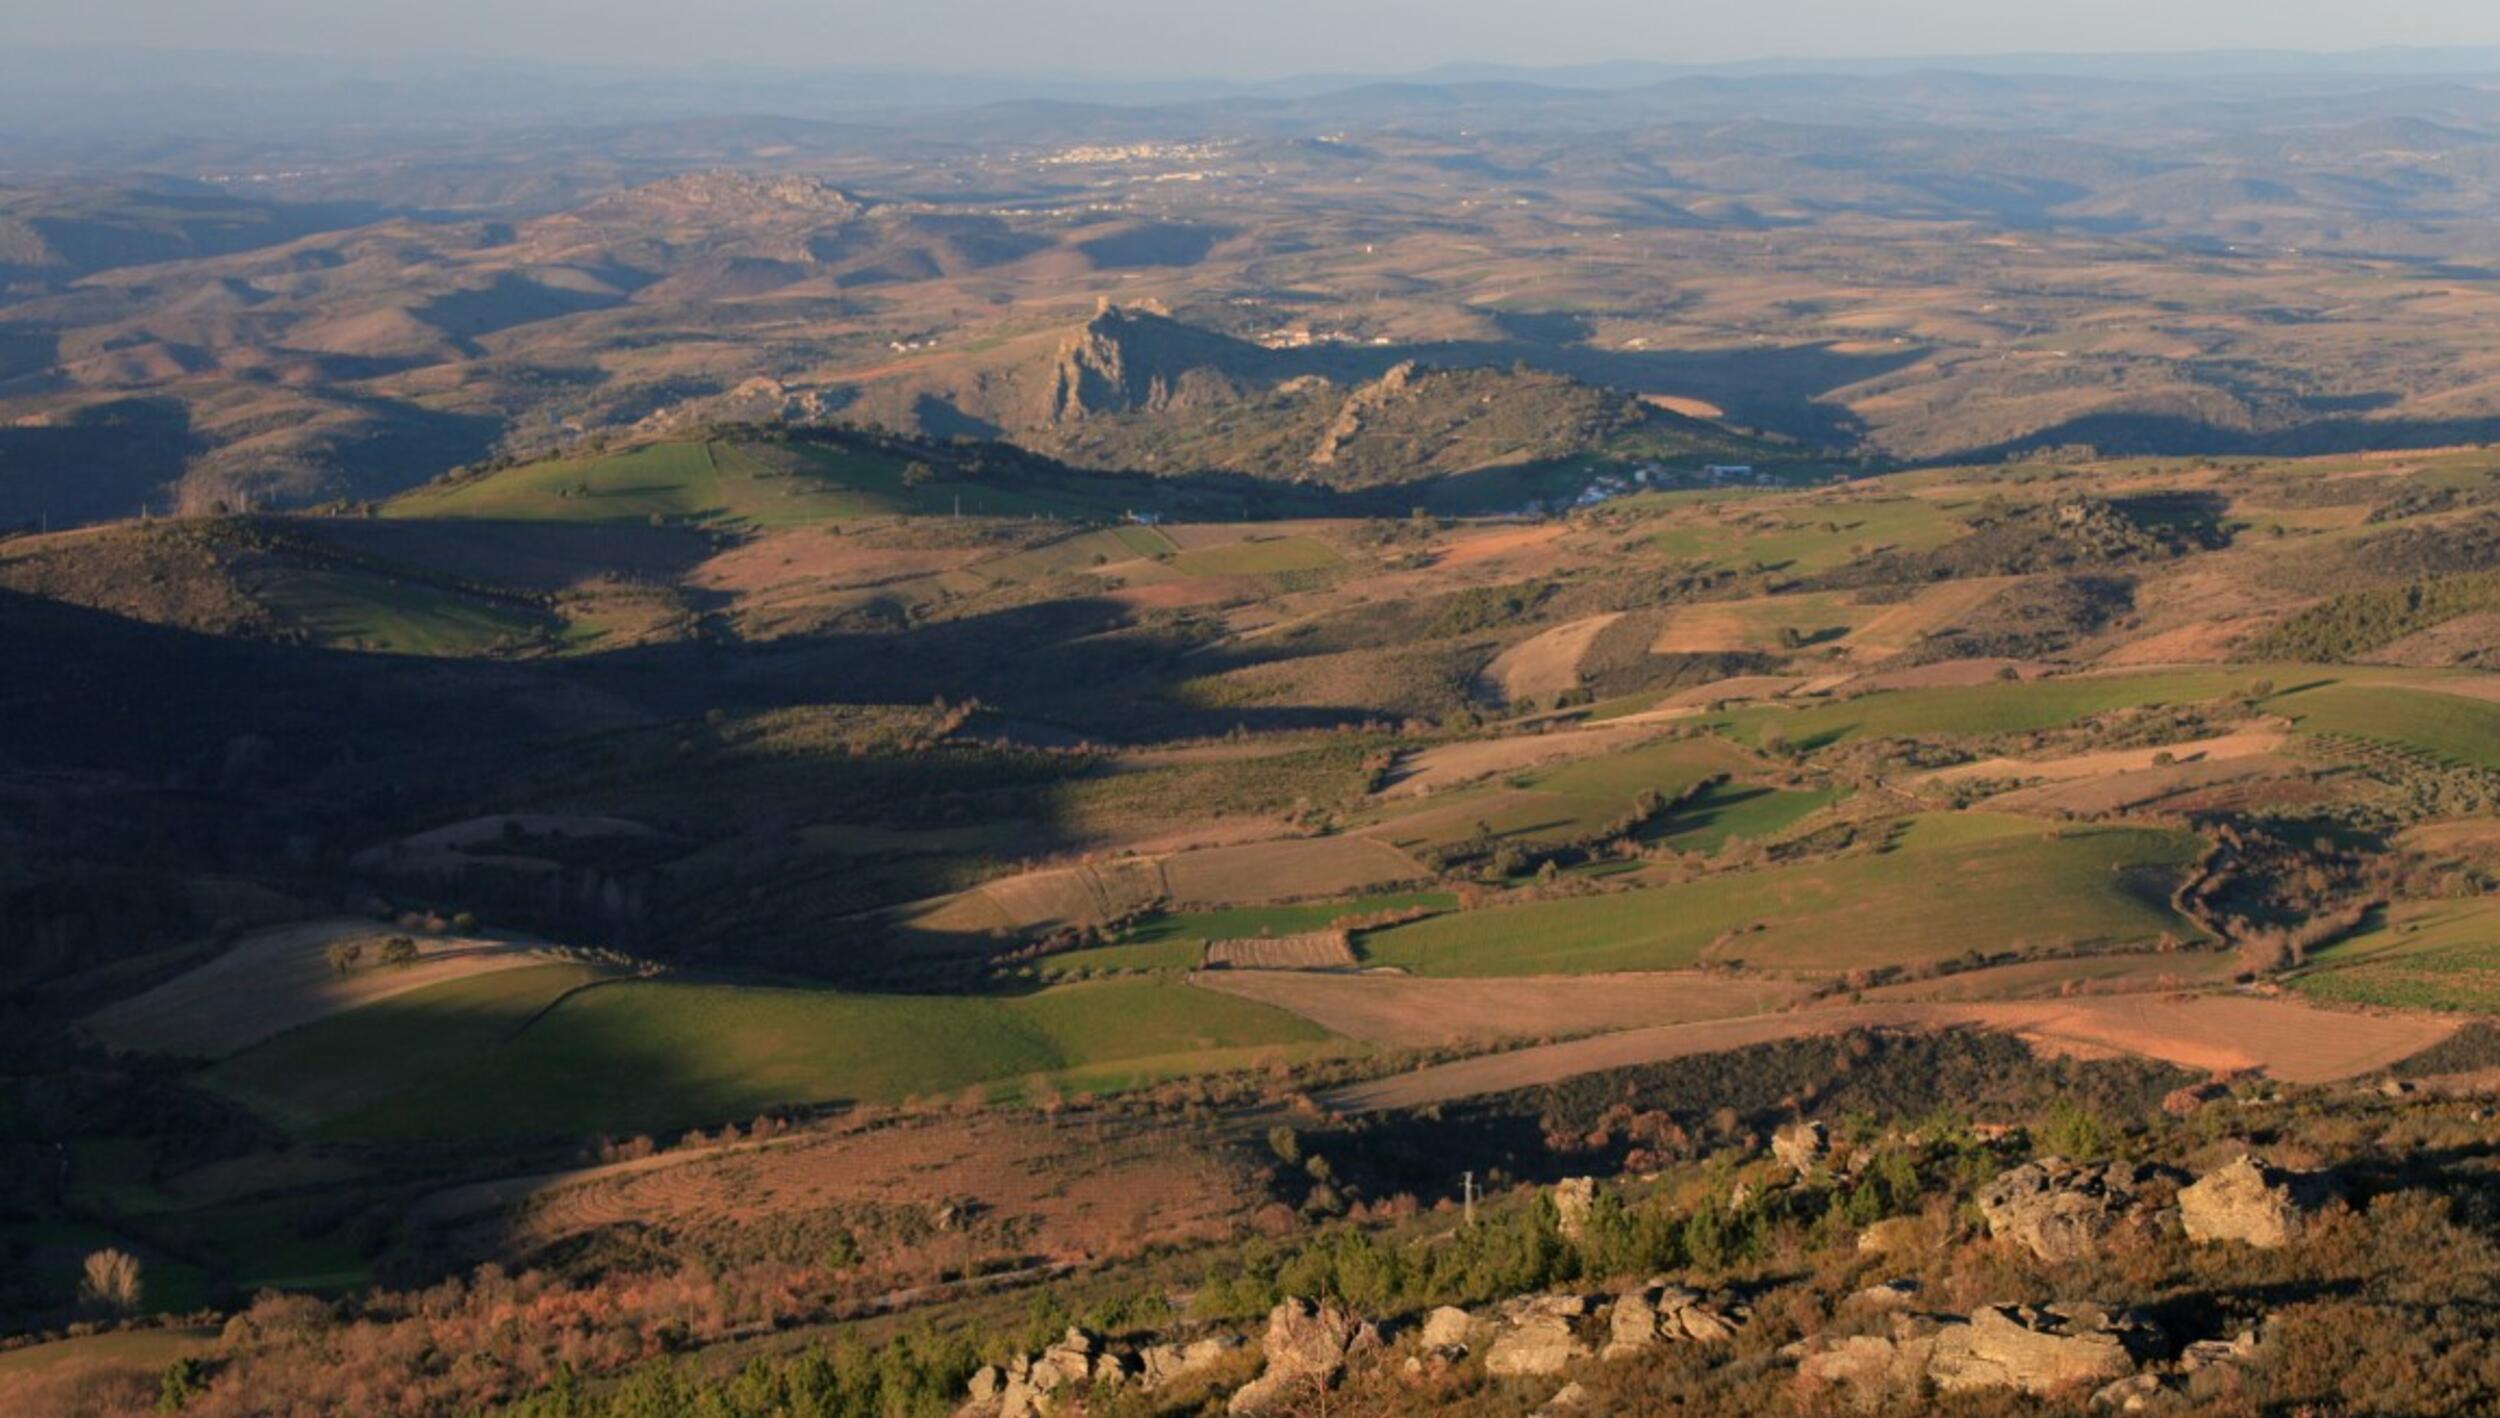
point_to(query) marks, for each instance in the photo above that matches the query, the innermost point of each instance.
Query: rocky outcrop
(2049, 1349)
(2040, 1350)
(1161, 1364)
(1801, 1146)
(2060, 1210)
(1306, 1347)
(1446, 1337)
(1030, 1386)
(1871, 1369)
(1537, 1335)
(1664, 1313)
(1574, 1199)
(2250, 1202)
(1447, 1328)
(1123, 360)
(1358, 405)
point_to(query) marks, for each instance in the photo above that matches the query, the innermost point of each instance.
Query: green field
(2432, 955)
(1728, 811)
(1261, 556)
(1996, 708)
(721, 482)
(1083, 552)
(364, 611)
(1145, 541)
(1557, 804)
(1173, 941)
(1812, 536)
(2448, 726)
(469, 1060)
(1951, 884)
(688, 480)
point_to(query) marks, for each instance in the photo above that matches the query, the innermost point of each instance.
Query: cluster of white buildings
(1608, 486)
(1090, 154)
(1296, 337)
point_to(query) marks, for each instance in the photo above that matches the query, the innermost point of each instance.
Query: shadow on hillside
(2169, 436)
(1780, 388)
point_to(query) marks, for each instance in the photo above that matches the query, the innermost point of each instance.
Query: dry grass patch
(1547, 663)
(2241, 743)
(1895, 628)
(1043, 1191)
(1286, 870)
(1451, 764)
(1304, 950)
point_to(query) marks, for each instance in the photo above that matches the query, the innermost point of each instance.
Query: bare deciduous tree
(111, 1281)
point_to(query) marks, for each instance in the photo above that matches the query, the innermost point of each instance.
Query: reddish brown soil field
(1040, 1190)
(1489, 546)
(1450, 764)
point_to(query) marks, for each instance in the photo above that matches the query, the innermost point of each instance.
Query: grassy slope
(2431, 955)
(1817, 536)
(456, 1062)
(703, 481)
(1559, 803)
(2448, 726)
(1996, 708)
(1262, 557)
(727, 482)
(361, 1059)
(1732, 810)
(1953, 884)
(1175, 941)
(368, 612)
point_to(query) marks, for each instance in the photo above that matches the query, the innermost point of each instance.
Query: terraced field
(1178, 940)
(1811, 535)
(1953, 884)
(2442, 955)
(1995, 708)
(1865, 630)
(1572, 799)
(1726, 812)
(2448, 726)
(521, 1054)
(735, 483)
(282, 978)
(365, 611)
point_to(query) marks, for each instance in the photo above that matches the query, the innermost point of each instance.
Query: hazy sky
(1243, 38)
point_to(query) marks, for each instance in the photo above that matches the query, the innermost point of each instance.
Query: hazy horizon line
(2474, 58)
